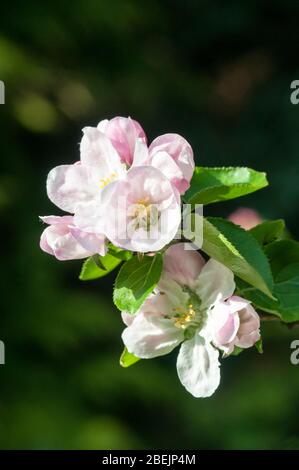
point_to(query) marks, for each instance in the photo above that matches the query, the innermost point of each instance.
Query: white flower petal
(215, 283)
(57, 220)
(167, 165)
(140, 154)
(71, 185)
(151, 336)
(94, 243)
(127, 318)
(175, 293)
(67, 248)
(102, 126)
(97, 151)
(198, 367)
(58, 241)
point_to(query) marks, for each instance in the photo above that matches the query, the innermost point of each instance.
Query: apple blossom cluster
(193, 306)
(120, 191)
(125, 195)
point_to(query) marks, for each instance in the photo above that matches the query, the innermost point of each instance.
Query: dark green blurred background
(218, 73)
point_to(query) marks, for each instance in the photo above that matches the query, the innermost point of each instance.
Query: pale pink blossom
(236, 323)
(65, 241)
(73, 187)
(106, 198)
(112, 155)
(173, 155)
(123, 133)
(178, 312)
(245, 217)
(193, 305)
(78, 188)
(144, 210)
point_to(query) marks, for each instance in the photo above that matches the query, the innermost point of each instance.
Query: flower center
(190, 317)
(143, 214)
(184, 317)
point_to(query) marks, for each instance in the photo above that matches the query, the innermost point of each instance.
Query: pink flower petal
(123, 133)
(71, 185)
(182, 265)
(181, 169)
(144, 211)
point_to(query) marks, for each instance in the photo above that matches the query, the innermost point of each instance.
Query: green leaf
(282, 253)
(268, 231)
(135, 281)
(284, 259)
(98, 266)
(237, 351)
(220, 184)
(259, 346)
(127, 359)
(237, 249)
(123, 255)
(98, 262)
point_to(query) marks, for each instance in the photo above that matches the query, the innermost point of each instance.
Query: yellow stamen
(143, 201)
(105, 181)
(144, 213)
(185, 316)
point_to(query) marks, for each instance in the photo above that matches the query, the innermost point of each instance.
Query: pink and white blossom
(190, 307)
(65, 241)
(236, 323)
(144, 210)
(123, 134)
(173, 155)
(117, 169)
(72, 188)
(78, 188)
